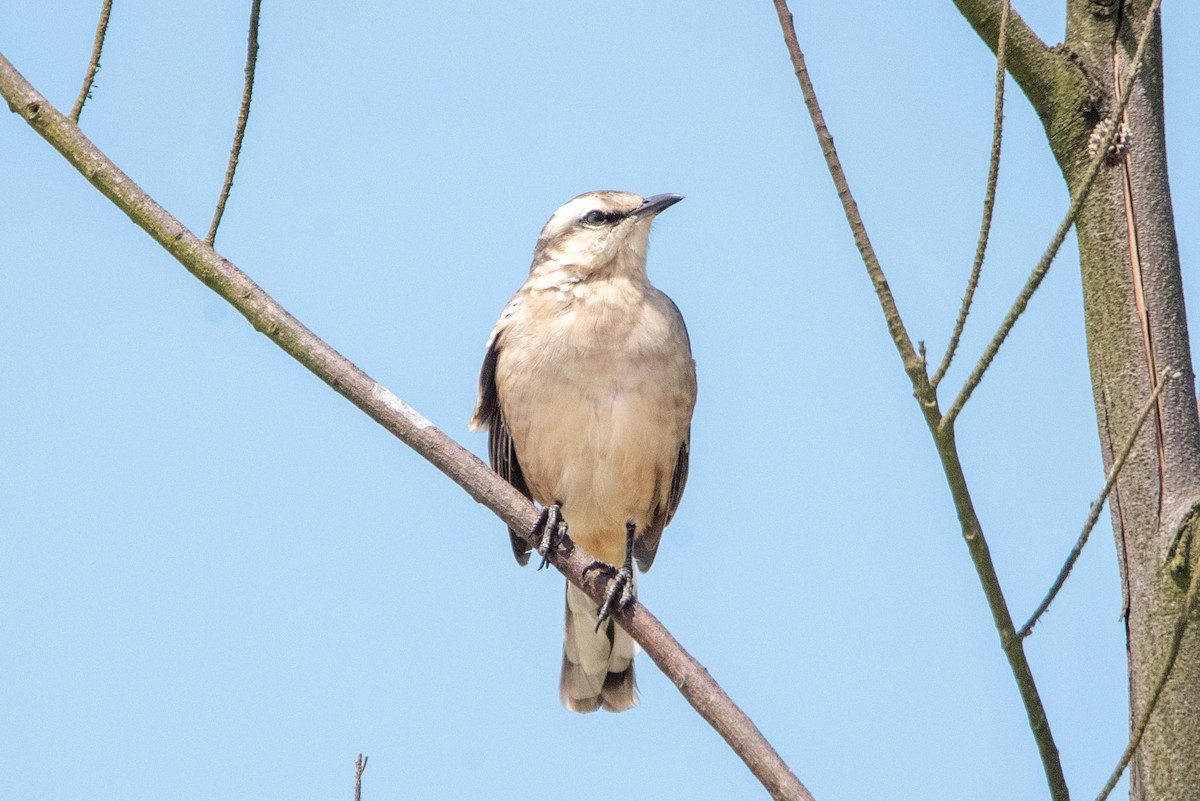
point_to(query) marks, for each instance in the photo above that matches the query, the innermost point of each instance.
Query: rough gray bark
(1136, 326)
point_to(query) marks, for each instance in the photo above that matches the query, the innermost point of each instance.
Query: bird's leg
(551, 533)
(620, 593)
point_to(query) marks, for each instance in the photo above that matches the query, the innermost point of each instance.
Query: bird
(587, 391)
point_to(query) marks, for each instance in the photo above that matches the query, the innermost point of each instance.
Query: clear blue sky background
(220, 580)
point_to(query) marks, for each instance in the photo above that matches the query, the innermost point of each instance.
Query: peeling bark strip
(1136, 279)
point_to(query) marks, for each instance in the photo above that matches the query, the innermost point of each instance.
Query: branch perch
(268, 317)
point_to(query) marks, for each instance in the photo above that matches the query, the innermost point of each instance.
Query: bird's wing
(646, 545)
(501, 453)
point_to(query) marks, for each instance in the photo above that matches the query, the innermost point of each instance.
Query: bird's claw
(551, 533)
(619, 594)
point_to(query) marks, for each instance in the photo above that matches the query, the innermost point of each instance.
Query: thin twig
(267, 316)
(243, 117)
(913, 364)
(93, 64)
(1098, 505)
(989, 200)
(360, 765)
(1143, 720)
(1077, 199)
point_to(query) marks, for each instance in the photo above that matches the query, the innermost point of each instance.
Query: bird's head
(599, 233)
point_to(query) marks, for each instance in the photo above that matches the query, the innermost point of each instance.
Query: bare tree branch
(914, 364)
(243, 118)
(360, 765)
(1077, 199)
(942, 432)
(989, 201)
(268, 317)
(1098, 504)
(1010, 643)
(94, 63)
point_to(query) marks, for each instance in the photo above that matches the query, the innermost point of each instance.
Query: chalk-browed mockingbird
(587, 391)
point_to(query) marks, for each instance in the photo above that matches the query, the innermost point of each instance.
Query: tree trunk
(1136, 328)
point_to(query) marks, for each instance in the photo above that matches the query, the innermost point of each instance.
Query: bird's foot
(551, 533)
(619, 594)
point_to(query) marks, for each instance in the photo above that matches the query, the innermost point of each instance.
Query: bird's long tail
(597, 666)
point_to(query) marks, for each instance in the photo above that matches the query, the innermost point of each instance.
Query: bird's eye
(595, 218)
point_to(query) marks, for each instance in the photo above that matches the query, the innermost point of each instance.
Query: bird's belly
(600, 443)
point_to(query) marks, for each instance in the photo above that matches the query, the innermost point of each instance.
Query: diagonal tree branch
(914, 364)
(268, 317)
(1098, 505)
(93, 63)
(243, 117)
(989, 200)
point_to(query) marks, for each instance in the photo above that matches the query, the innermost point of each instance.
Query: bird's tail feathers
(597, 667)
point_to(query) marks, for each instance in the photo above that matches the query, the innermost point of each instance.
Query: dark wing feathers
(500, 445)
(678, 481)
(646, 545)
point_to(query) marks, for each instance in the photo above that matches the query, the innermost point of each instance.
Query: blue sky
(220, 580)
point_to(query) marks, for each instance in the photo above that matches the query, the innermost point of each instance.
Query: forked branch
(943, 437)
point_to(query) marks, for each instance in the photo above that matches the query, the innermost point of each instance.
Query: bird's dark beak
(656, 203)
